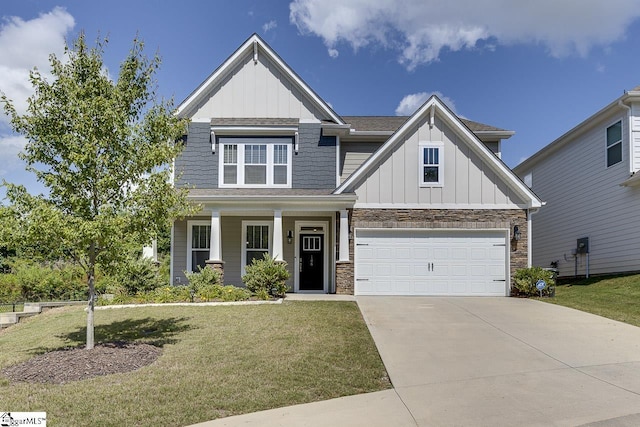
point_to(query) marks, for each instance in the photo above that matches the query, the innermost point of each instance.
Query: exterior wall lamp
(516, 233)
(289, 236)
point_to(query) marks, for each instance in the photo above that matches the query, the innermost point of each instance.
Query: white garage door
(426, 262)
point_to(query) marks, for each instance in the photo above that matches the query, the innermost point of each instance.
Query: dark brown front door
(311, 262)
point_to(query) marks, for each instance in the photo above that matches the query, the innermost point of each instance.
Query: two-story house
(418, 205)
(589, 181)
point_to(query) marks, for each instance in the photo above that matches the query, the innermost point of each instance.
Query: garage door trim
(440, 239)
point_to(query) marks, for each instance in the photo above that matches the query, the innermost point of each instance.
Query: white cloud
(28, 44)
(10, 146)
(410, 103)
(269, 26)
(333, 53)
(420, 29)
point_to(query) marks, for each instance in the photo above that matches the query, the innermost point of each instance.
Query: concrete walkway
(485, 362)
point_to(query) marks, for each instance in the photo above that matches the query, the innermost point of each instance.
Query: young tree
(102, 149)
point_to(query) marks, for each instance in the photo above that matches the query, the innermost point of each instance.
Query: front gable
(255, 82)
(465, 174)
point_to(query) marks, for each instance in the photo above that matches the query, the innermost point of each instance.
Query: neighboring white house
(418, 205)
(589, 181)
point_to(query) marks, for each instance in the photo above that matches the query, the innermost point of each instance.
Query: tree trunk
(92, 298)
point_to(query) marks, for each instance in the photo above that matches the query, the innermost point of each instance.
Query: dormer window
(255, 162)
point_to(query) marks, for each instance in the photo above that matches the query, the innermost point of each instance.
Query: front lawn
(615, 297)
(215, 362)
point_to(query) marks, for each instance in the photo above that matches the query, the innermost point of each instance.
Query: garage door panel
(427, 262)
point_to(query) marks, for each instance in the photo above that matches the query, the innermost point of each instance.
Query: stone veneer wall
(469, 219)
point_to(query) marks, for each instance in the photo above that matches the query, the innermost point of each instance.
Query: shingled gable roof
(393, 123)
(184, 108)
(459, 127)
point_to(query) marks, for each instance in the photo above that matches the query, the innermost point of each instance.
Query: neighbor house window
(430, 158)
(255, 162)
(256, 239)
(614, 144)
(199, 242)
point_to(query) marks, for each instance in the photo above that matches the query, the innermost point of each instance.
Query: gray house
(418, 205)
(589, 181)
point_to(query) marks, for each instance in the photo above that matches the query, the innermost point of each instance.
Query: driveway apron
(506, 362)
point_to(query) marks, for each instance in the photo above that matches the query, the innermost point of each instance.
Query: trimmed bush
(266, 277)
(525, 279)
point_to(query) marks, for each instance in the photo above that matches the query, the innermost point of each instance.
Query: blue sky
(538, 68)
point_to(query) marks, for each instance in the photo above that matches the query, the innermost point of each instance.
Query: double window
(255, 162)
(430, 162)
(614, 144)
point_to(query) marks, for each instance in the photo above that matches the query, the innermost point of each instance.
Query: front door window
(311, 262)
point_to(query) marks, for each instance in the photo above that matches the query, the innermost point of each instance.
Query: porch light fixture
(295, 142)
(289, 236)
(516, 233)
(213, 142)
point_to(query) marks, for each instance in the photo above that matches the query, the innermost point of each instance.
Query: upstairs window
(255, 162)
(614, 144)
(430, 157)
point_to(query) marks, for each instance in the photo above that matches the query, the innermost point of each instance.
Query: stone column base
(217, 265)
(344, 277)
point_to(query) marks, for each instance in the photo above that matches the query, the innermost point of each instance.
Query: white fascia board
(490, 135)
(248, 130)
(239, 53)
(298, 204)
(447, 206)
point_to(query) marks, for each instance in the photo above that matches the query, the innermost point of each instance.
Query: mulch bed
(75, 364)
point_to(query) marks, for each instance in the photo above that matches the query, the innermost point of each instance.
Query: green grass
(615, 297)
(216, 362)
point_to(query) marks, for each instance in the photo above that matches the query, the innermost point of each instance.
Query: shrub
(266, 277)
(138, 275)
(203, 277)
(525, 279)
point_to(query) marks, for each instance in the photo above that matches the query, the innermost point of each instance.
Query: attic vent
(255, 52)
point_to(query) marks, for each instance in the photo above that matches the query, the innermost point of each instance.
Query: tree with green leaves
(102, 148)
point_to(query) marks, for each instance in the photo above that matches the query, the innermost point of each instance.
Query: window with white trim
(198, 244)
(614, 144)
(254, 162)
(257, 241)
(430, 163)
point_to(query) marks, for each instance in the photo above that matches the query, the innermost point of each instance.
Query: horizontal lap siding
(354, 154)
(584, 199)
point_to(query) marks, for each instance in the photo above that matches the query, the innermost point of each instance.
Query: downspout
(625, 106)
(530, 213)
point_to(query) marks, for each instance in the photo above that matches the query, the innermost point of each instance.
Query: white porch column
(277, 235)
(344, 235)
(215, 247)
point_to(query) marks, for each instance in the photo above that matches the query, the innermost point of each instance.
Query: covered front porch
(308, 232)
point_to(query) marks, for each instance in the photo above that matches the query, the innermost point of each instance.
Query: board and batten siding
(584, 199)
(467, 179)
(354, 154)
(256, 90)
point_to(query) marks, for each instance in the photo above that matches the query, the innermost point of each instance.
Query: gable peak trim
(257, 44)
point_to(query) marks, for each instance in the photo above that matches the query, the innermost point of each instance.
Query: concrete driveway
(506, 362)
(484, 362)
